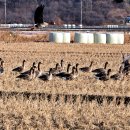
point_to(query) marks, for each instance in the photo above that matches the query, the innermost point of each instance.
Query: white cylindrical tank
(81, 38)
(112, 38)
(100, 38)
(51, 36)
(66, 37)
(121, 38)
(90, 38)
(56, 37)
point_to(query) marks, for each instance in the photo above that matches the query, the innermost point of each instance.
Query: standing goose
(87, 68)
(101, 70)
(1, 68)
(77, 70)
(20, 68)
(55, 70)
(126, 67)
(28, 71)
(103, 76)
(38, 71)
(46, 77)
(61, 67)
(118, 75)
(28, 76)
(62, 74)
(72, 75)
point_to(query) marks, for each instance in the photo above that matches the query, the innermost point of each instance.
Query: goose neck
(68, 68)
(39, 67)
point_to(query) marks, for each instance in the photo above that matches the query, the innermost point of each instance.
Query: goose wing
(44, 77)
(115, 76)
(68, 77)
(99, 70)
(26, 72)
(100, 74)
(62, 74)
(1, 70)
(18, 69)
(23, 76)
(84, 69)
(38, 16)
(103, 78)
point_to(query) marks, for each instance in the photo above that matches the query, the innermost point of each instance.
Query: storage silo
(100, 38)
(81, 38)
(51, 36)
(112, 38)
(66, 37)
(121, 38)
(90, 38)
(56, 37)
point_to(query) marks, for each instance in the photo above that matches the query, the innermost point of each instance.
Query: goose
(28, 76)
(103, 76)
(28, 71)
(62, 74)
(101, 70)
(60, 67)
(38, 15)
(20, 68)
(38, 72)
(55, 70)
(126, 68)
(118, 75)
(61, 63)
(77, 69)
(87, 68)
(72, 75)
(1, 68)
(46, 77)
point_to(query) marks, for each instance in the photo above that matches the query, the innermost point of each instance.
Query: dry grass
(23, 36)
(28, 114)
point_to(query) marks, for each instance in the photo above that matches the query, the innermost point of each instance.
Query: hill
(95, 12)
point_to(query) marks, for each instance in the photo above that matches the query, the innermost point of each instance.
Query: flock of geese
(71, 72)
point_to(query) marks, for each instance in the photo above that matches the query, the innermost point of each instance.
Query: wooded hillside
(95, 12)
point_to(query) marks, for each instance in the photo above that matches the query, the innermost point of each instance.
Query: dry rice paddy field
(84, 103)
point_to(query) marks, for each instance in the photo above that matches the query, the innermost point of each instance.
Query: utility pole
(5, 11)
(81, 12)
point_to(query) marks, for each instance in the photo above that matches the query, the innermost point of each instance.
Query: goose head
(50, 71)
(106, 63)
(62, 61)
(77, 65)
(34, 64)
(57, 65)
(39, 63)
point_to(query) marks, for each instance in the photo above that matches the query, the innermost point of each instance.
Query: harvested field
(60, 104)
